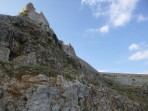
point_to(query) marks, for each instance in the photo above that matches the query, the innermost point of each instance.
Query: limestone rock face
(38, 74)
(30, 59)
(59, 93)
(4, 54)
(69, 49)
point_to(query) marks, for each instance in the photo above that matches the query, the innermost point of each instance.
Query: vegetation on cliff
(37, 74)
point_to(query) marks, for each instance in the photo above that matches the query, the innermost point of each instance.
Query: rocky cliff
(37, 74)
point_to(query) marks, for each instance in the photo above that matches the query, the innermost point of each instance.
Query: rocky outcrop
(30, 59)
(126, 79)
(38, 74)
(41, 92)
(4, 54)
(39, 18)
(69, 49)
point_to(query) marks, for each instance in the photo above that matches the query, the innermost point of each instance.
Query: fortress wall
(126, 79)
(34, 16)
(39, 18)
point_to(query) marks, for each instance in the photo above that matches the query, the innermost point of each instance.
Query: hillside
(39, 73)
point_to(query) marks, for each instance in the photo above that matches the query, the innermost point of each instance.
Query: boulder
(30, 59)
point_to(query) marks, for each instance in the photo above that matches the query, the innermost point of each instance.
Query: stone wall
(39, 18)
(126, 79)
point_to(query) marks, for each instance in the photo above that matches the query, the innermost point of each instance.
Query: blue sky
(111, 35)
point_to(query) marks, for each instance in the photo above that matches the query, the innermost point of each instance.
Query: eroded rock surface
(4, 54)
(38, 74)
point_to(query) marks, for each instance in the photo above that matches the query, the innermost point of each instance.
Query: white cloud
(121, 11)
(139, 55)
(118, 12)
(104, 29)
(121, 20)
(141, 18)
(141, 51)
(99, 7)
(133, 47)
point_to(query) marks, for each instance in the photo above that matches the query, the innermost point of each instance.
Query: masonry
(30, 12)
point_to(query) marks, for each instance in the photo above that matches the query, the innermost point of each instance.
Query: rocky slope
(36, 74)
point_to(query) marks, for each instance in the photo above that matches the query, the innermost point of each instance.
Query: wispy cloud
(141, 51)
(133, 47)
(104, 29)
(99, 7)
(92, 2)
(93, 30)
(121, 11)
(118, 12)
(139, 55)
(142, 18)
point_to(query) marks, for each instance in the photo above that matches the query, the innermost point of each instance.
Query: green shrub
(68, 76)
